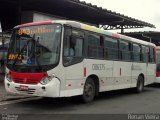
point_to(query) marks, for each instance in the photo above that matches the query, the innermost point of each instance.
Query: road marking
(19, 100)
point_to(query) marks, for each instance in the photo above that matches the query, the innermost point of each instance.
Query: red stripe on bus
(84, 72)
(27, 78)
(35, 23)
(114, 35)
(157, 74)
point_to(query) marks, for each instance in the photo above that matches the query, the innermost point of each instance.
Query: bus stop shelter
(11, 13)
(14, 12)
(150, 36)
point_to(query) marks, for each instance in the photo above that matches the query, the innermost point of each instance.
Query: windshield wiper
(28, 41)
(34, 51)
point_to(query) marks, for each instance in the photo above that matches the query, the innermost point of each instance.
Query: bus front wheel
(89, 91)
(140, 84)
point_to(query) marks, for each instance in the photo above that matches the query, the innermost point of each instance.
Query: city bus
(65, 58)
(158, 64)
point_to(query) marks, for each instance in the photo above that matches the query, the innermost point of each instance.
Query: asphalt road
(109, 104)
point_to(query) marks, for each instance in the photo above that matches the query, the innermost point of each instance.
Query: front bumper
(52, 89)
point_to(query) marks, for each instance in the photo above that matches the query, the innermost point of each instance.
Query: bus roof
(89, 28)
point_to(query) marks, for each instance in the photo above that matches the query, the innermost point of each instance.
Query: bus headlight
(46, 80)
(8, 77)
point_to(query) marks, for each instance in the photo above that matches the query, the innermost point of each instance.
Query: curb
(16, 98)
(13, 98)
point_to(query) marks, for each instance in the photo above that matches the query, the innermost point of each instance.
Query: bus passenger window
(78, 47)
(125, 51)
(144, 54)
(111, 48)
(136, 53)
(95, 46)
(151, 55)
(69, 48)
(73, 49)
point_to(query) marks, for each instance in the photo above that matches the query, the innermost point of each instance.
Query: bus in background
(66, 58)
(158, 64)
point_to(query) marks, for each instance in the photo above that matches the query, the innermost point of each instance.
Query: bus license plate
(21, 87)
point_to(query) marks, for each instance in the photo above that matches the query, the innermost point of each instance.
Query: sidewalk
(4, 96)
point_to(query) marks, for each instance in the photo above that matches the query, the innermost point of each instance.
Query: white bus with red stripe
(67, 58)
(158, 64)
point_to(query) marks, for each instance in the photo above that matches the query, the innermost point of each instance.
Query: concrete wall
(31, 16)
(44, 17)
(27, 16)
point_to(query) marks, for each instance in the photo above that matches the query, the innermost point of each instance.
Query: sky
(145, 10)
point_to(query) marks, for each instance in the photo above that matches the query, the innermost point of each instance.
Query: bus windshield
(36, 47)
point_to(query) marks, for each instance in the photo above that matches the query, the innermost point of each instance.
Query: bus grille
(29, 91)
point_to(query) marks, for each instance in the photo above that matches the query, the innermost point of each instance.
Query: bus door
(73, 59)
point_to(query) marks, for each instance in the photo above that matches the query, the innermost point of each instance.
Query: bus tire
(88, 91)
(140, 84)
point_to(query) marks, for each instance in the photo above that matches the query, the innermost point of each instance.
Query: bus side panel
(151, 73)
(122, 74)
(137, 69)
(74, 79)
(103, 69)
